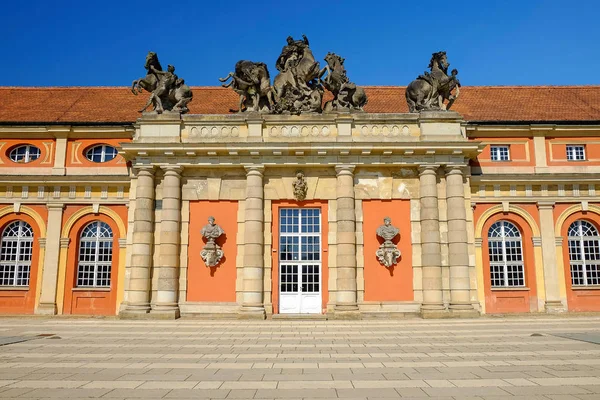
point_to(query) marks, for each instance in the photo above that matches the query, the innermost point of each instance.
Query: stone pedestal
(346, 306)
(138, 304)
(166, 304)
(458, 257)
(47, 305)
(431, 258)
(252, 297)
(554, 303)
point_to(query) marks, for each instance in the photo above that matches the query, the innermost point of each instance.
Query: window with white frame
(575, 152)
(15, 254)
(101, 153)
(95, 255)
(499, 153)
(24, 154)
(506, 255)
(584, 253)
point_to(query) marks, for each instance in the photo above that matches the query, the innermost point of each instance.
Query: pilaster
(47, 304)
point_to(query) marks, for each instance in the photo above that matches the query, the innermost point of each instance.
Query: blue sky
(104, 43)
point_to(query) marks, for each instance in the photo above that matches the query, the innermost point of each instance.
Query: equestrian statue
(428, 91)
(346, 95)
(168, 91)
(252, 83)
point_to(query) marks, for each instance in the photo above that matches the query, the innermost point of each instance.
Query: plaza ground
(529, 358)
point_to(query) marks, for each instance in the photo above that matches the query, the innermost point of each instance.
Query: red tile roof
(476, 103)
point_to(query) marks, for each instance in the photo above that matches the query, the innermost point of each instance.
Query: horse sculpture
(429, 90)
(172, 97)
(346, 95)
(251, 81)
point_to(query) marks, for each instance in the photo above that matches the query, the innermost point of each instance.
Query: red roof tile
(119, 105)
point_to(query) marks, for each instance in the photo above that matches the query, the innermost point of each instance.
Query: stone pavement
(487, 358)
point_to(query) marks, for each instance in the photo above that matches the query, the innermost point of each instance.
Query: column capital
(177, 169)
(254, 169)
(55, 206)
(454, 170)
(144, 169)
(344, 169)
(428, 169)
(545, 205)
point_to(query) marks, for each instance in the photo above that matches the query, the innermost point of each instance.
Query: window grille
(575, 152)
(506, 255)
(101, 153)
(24, 154)
(584, 253)
(500, 153)
(95, 255)
(15, 254)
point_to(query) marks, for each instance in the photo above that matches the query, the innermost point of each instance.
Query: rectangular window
(499, 153)
(575, 152)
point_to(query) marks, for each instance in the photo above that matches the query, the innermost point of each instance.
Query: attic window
(101, 153)
(24, 153)
(499, 153)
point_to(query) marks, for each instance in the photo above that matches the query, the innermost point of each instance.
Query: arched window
(15, 254)
(506, 255)
(584, 253)
(95, 255)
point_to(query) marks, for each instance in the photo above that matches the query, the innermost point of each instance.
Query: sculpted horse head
(152, 60)
(335, 62)
(150, 81)
(439, 61)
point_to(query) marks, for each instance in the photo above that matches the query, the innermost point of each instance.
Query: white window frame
(583, 243)
(505, 264)
(29, 155)
(496, 153)
(94, 266)
(576, 152)
(103, 153)
(23, 253)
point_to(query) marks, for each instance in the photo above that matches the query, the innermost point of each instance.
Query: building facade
(104, 213)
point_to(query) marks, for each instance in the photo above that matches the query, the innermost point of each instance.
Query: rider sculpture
(251, 81)
(428, 91)
(346, 95)
(168, 91)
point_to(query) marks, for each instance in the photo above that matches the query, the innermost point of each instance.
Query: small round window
(24, 153)
(101, 153)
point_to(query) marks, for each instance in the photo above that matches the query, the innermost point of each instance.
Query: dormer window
(24, 154)
(101, 153)
(499, 153)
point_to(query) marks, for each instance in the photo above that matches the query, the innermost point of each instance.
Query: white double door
(300, 261)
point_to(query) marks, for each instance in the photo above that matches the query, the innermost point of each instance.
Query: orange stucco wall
(276, 205)
(381, 283)
(520, 149)
(94, 301)
(214, 284)
(507, 300)
(556, 151)
(76, 149)
(46, 159)
(586, 299)
(22, 301)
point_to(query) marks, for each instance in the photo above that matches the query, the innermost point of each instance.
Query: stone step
(307, 317)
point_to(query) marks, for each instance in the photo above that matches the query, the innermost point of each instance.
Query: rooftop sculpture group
(299, 85)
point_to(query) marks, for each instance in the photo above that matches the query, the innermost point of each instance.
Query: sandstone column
(458, 250)
(47, 304)
(142, 248)
(252, 303)
(431, 257)
(170, 233)
(551, 281)
(346, 305)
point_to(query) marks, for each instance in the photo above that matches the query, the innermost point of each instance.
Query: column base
(346, 314)
(434, 311)
(252, 312)
(463, 310)
(555, 307)
(134, 311)
(166, 313)
(46, 309)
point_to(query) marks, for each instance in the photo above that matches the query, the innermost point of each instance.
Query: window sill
(510, 289)
(91, 289)
(14, 288)
(590, 287)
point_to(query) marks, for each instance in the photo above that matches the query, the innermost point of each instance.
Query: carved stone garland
(211, 253)
(388, 254)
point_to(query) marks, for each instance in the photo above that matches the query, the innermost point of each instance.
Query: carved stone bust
(211, 253)
(387, 254)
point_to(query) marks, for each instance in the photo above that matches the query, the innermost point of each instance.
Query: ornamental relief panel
(312, 131)
(202, 133)
(384, 130)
